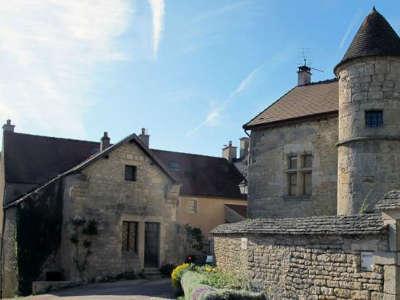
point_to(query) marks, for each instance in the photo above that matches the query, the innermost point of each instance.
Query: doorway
(152, 244)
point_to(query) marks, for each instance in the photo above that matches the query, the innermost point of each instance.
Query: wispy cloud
(220, 11)
(158, 11)
(214, 114)
(48, 52)
(350, 28)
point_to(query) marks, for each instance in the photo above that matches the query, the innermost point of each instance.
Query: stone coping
(391, 200)
(326, 225)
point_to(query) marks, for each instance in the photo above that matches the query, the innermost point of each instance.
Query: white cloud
(48, 51)
(214, 114)
(350, 28)
(158, 11)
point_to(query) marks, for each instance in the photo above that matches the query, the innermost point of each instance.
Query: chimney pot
(105, 141)
(8, 126)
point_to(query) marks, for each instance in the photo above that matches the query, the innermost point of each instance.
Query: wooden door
(152, 244)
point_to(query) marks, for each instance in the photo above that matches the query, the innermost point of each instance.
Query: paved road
(122, 290)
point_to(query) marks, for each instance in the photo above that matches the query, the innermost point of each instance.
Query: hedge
(195, 290)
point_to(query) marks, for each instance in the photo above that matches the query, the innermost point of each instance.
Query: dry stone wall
(299, 263)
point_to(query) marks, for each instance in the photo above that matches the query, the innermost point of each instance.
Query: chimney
(244, 147)
(8, 127)
(229, 152)
(145, 138)
(303, 75)
(105, 141)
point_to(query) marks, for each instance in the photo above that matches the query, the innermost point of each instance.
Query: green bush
(194, 287)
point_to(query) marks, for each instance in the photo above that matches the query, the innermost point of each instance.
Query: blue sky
(191, 72)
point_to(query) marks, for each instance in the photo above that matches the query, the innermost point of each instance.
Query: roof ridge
(326, 81)
(186, 153)
(52, 137)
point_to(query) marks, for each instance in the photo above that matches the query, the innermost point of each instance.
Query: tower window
(374, 118)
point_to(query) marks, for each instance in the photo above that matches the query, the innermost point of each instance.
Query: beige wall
(210, 212)
(102, 193)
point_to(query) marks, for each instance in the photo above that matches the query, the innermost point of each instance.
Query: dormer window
(374, 118)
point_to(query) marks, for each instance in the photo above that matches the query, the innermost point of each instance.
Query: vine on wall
(81, 237)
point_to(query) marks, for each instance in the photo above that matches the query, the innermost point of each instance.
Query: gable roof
(41, 160)
(202, 175)
(64, 142)
(375, 37)
(301, 101)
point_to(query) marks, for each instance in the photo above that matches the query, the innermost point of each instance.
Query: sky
(190, 72)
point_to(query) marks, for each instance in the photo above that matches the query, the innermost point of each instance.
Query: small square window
(130, 173)
(374, 118)
(293, 162)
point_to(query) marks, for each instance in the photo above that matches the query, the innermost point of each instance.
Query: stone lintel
(385, 258)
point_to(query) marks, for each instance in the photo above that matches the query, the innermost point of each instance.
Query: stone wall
(267, 177)
(368, 157)
(291, 262)
(101, 193)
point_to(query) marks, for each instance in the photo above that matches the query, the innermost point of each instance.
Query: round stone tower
(369, 117)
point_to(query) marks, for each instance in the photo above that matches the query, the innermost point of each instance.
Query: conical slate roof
(374, 38)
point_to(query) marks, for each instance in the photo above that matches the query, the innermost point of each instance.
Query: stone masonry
(289, 259)
(267, 178)
(100, 192)
(368, 158)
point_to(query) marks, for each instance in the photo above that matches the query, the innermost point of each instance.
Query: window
(129, 236)
(130, 173)
(293, 162)
(307, 183)
(192, 206)
(374, 118)
(292, 178)
(299, 175)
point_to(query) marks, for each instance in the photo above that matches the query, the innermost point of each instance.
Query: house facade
(332, 146)
(79, 210)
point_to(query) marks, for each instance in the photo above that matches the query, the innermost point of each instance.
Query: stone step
(152, 273)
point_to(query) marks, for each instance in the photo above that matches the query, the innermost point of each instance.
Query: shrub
(222, 280)
(195, 288)
(177, 273)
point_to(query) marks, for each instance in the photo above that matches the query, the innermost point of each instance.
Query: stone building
(79, 210)
(321, 159)
(332, 146)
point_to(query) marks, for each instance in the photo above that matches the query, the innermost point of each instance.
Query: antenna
(305, 59)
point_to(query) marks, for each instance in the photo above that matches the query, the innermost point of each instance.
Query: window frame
(373, 118)
(299, 170)
(134, 174)
(126, 245)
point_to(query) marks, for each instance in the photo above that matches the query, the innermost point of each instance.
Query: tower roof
(375, 37)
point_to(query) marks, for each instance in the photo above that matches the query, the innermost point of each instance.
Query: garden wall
(351, 257)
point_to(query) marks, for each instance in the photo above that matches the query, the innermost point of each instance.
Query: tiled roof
(240, 209)
(375, 37)
(202, 175)
(334, 225)
(37, 159)
(391, 200)
(301, 101)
